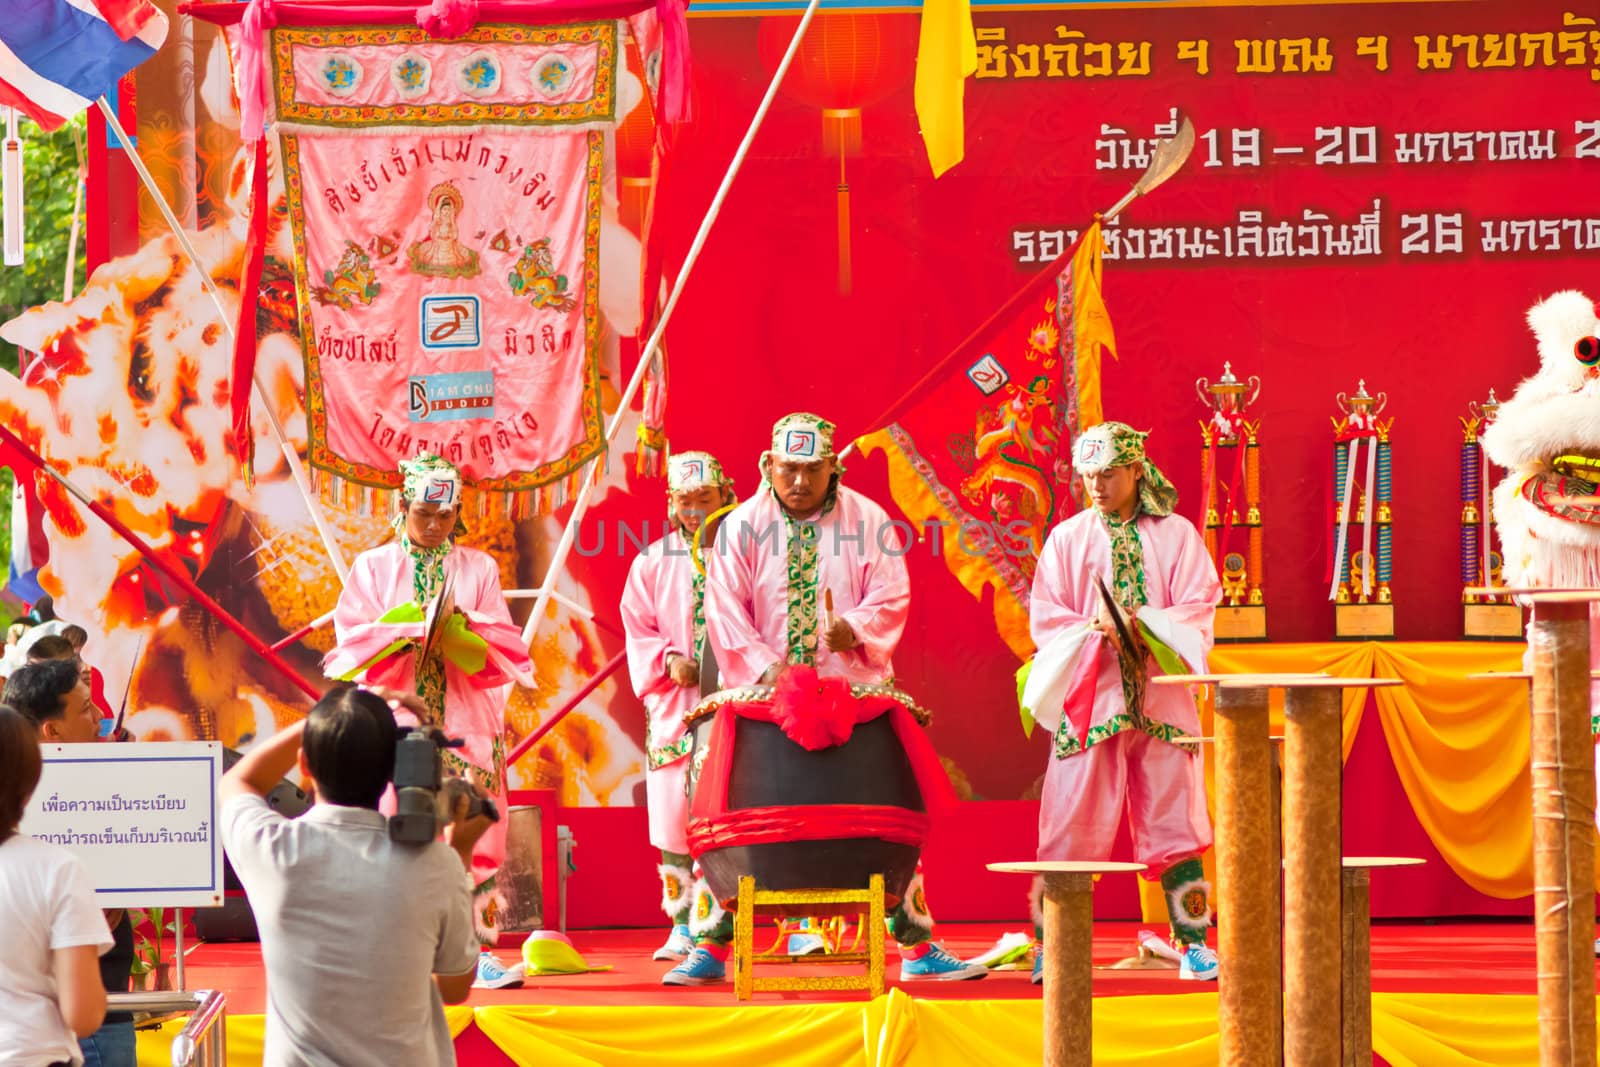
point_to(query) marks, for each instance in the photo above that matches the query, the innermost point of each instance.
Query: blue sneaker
(1199, 963)
(701, 968)
(805, 944)
(493, 975)
(938, 965)
(1038, 967)
(678, 945)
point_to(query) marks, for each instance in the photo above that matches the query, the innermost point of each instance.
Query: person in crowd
(663, 614)
(364, 939)
(50, 693)
(829, 591)
(52, 935)
(427, 616)
(1116, 741)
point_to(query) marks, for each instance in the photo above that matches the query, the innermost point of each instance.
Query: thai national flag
(57, 56)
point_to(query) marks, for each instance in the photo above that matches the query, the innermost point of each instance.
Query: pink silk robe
(1180, 582)
(658, 617)
(860, 557)
(380, 579)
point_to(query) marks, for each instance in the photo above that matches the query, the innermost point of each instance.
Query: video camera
(423, 793)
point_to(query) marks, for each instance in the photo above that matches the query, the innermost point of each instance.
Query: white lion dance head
(1548, 437)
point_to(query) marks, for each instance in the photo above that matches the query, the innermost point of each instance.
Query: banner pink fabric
(445, 204)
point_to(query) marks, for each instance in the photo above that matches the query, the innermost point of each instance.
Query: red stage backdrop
(1379, 192)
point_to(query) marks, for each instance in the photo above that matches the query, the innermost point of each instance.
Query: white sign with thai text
(142, 817)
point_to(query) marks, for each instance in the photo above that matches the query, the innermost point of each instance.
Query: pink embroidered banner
(444, 199)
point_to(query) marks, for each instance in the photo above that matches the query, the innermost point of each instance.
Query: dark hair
(44, 609)
(349, 746)
(39, 690)
(20, 766)
(51, 646)
(76, 636)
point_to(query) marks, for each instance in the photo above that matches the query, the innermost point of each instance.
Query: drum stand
(805, 902)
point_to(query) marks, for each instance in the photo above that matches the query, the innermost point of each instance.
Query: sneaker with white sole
(1597, 946)
(1038, 967)
(492, 974)
(1199, 963)
(805, 944)
(678, 946)
(938, 965)
(701, 968)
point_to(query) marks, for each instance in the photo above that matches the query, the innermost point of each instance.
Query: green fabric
(1066, 744)
(461, 647)
(904, 929)
(1022, 683)
(801, 564)
(1168, 659)
(1128, 590)
(406, 612)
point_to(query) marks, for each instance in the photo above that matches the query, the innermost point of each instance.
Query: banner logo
(450, 322)
(988, 375)
(445, 397)
(800, 443)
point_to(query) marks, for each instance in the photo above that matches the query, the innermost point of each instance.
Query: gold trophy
(1363, 563)
(1230, 477)
(1487, 617)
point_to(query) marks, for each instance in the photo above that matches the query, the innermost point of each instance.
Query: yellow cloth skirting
(1425, 1029)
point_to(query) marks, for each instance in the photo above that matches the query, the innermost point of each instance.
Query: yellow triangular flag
(1091, 325)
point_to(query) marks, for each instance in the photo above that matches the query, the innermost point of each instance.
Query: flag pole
(171, 570)
(296, 471)
(558, 559)
(1166, 160)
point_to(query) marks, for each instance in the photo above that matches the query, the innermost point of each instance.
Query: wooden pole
(1312, 927)
(1356, 953)
(1250, 984)
(1068, 975)
(1563, 831)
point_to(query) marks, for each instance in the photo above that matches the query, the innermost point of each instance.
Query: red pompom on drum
(811, 784)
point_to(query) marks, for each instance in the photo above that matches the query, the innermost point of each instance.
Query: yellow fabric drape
(947, 54)
(1460, 746)
(1174, 1030)
(1091, 324)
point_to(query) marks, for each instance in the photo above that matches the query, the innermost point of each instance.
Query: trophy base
(1492, 622)
(1241, 622)
(1363, 620)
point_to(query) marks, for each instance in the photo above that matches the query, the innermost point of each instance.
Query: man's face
(691, 506)
(1113, 489)
(79, 722)
(429, 525)
(801, 487)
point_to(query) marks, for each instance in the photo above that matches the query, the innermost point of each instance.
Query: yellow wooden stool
(771, 902)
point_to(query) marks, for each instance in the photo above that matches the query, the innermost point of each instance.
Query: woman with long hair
(51, 941)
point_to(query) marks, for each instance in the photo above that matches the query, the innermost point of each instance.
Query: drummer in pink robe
(663, 614)
(1115, 737)
(809, 572)
(391, 604)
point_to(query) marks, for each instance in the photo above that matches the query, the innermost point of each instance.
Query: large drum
(811, 784)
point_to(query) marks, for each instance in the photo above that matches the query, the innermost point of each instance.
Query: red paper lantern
(847, 61)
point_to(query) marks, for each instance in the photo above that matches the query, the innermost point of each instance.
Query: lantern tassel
(844, 230)
(11, 191)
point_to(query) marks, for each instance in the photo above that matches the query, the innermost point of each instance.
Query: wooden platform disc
(1213, 740)
(1242, 681)
(1372, 863)
(1066, 867)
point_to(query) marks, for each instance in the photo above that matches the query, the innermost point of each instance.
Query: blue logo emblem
(450, 397)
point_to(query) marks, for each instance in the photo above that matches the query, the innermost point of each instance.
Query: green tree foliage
(50, 179)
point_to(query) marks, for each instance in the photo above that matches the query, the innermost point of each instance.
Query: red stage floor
(1443, 957)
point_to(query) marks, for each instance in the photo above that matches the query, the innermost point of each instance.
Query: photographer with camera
(366, 927)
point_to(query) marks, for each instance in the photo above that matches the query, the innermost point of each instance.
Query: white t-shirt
(353, 928)
(47, 904)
